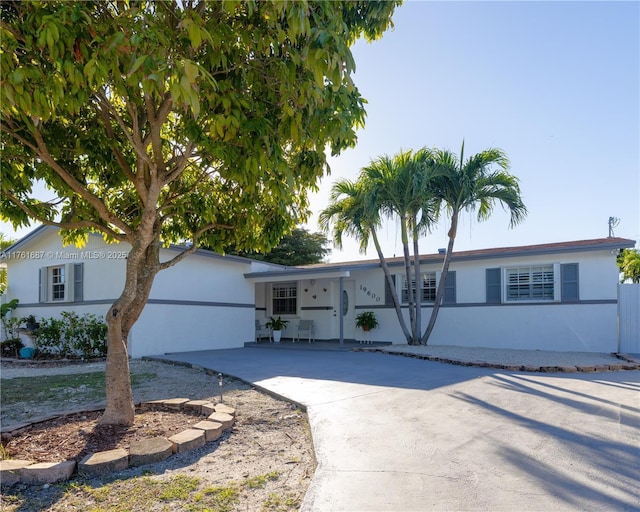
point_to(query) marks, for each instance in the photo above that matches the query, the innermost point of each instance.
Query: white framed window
(56, 283)
(429, 287)
(284, 298)
(531, 283)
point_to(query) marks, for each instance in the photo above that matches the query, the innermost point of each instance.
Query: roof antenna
(613, 222)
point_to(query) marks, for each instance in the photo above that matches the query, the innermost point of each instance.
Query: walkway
(400, 434)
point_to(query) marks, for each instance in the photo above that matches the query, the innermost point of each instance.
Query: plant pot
(366, 329)
(27, 352)
(277, 335)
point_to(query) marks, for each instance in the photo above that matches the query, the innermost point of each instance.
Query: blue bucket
(27, 352)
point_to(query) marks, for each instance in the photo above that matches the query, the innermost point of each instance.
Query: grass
(89, 387)
(143, 493)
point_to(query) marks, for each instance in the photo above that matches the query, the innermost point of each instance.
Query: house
(558, 296)
(203, 302)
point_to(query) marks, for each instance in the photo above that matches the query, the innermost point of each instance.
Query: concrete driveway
(399, 434)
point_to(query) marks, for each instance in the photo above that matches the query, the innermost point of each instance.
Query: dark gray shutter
(569, 291)
(450, 288)
(78, 278)
(42, 283)
(388, 300)
(494, 285)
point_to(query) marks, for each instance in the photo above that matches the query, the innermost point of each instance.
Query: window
(56, 283)
(62, 283)
(530, 283)
(428, 288)
(285, 298)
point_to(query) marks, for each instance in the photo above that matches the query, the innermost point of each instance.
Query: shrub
(72, 335)
(11, 347)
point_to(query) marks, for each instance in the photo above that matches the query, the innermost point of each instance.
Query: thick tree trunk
(443, 276)
(142, 267)
(119, 409)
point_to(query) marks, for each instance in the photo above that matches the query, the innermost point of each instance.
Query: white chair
(305, 328)
(262, 332)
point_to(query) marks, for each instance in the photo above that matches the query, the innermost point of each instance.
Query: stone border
(219, 418)
(627, 363)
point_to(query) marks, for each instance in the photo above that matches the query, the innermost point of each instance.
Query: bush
(11, 347)
(72, 336)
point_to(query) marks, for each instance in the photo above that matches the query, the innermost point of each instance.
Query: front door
(348, 310)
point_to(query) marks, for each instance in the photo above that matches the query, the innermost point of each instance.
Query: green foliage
(366, 320)
(159, 122)
(276, 324)
(415, 187)
(216, 113)
(297, 248)
(11, 347)
(72, 335)
(7, 307)
(629, 264)
(4, 243)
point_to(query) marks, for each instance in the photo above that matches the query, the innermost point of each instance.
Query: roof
(32, 235)
(596, 244)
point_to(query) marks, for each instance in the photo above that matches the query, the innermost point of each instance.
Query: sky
(555, 85)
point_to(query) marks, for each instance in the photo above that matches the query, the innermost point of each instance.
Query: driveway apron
(401, 434)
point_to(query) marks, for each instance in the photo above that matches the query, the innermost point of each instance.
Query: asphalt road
(400, 434)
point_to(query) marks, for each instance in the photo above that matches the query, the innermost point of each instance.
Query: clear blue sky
(556, 85)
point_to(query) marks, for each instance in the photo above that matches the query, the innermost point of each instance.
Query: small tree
(629, 264)
(296, 248)
(156, 122)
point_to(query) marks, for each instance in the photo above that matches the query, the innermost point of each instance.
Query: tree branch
(194, 245)
(76, 186)
(79, 224)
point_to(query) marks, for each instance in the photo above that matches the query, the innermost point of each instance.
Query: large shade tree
(156, 122)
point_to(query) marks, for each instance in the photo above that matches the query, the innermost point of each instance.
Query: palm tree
(469, 185)
(399, 188)
(391, 187)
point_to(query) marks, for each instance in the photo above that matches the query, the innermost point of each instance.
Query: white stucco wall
(203, 302)
(590, 325)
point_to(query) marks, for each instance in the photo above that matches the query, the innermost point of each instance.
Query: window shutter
(388, 299)
(450, 288)
(569, 282)
(78, 279)
(494, 286)
(42, 282)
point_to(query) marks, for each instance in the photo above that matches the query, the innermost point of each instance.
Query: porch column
(341, 292)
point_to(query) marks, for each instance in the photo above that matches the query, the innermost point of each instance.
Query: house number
(369, 293)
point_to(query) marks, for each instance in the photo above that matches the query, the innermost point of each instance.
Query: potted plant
(30, 323)
(276, 325)
(366, 320)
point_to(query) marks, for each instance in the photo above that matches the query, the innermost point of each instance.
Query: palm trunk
(392, 288)
(410, 291)
(416, 265)
(443, 276)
